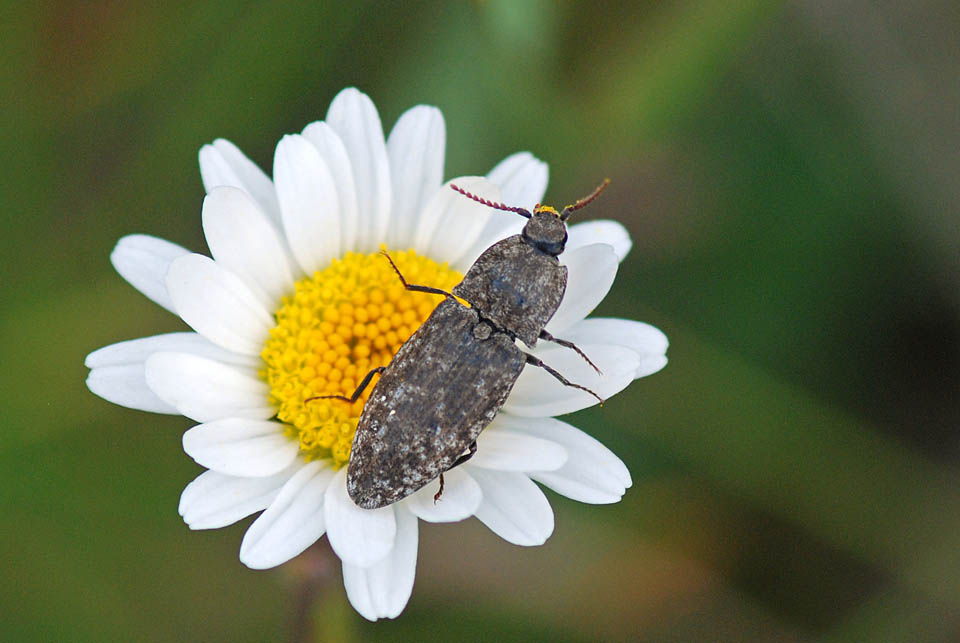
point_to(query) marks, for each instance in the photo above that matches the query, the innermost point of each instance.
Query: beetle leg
(567, 344)
(466, 456)
(538, 362)
(463, 458)
(356, 394)
(427, 289)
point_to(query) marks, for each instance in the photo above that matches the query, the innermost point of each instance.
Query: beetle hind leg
(463, 458)
(534, 361)
(544, 335)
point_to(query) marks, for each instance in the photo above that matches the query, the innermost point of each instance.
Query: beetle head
(545, 231)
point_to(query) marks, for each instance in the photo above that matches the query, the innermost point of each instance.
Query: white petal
(359, 537)
(243, 240)
(136, 351)
(383, 589)
(460, 499)
(292, 522)
(118, 375)
(217, 304)
(501, 449)
(143, 261)
(241, 447)
(592, 474)
(223, 164)
(216, 500)
(513, 507)
(611, 233)
(335, 155)
(126, 385)
(309, 202)
(354, 118)
(415, 149)
(643, 338)
(450, 222)
(539, 394)
(649, 365)
(591, 271)
(522, 179)
(204, 390)
(582, 484)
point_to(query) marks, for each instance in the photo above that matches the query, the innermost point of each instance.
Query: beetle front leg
(414, 287)
(534, 361)
(463, 458)
(544, 335)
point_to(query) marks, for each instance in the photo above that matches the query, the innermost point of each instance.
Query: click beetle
(451, 377)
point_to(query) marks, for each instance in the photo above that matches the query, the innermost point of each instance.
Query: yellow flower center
(339, 324)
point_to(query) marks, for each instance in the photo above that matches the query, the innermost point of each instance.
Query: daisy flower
(296, 302)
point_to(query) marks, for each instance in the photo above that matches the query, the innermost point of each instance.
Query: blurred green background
(789, 173)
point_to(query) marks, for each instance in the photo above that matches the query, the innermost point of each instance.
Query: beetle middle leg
(414, 287)
(356, 394)
(544, 335)
(534, 361)
(456, 463)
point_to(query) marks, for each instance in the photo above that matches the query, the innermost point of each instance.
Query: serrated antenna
(496, 206)
(584, 201)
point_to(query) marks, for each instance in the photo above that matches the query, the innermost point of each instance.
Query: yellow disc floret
(339, 324)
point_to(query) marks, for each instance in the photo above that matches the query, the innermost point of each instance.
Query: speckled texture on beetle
(451, 377)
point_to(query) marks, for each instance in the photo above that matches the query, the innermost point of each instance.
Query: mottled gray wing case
(441, 389)
(516, 286)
